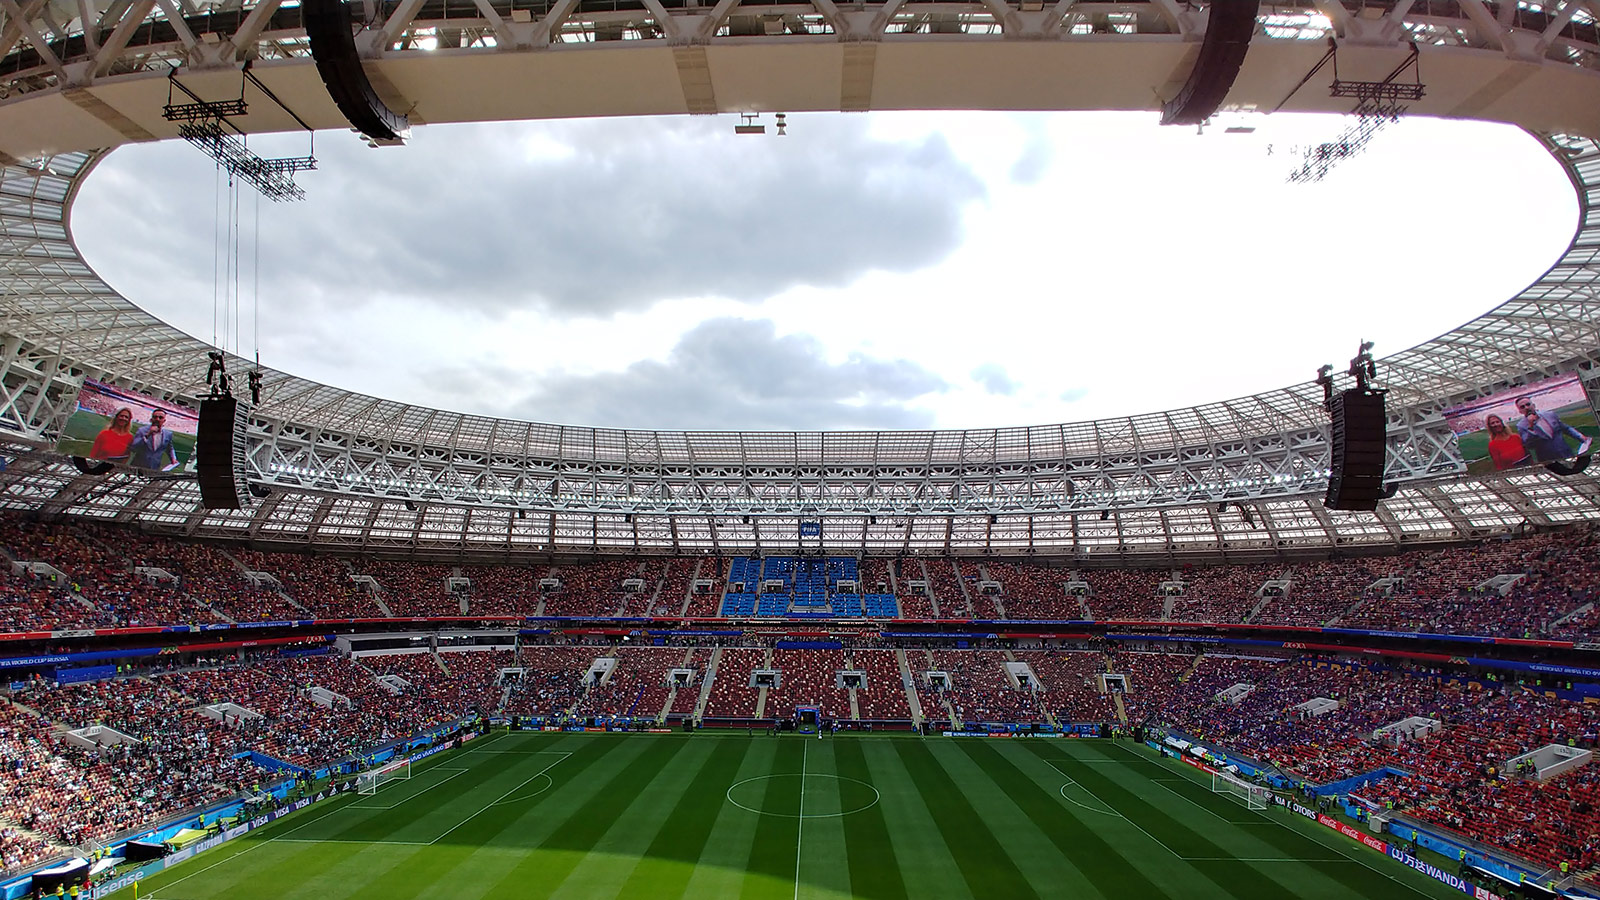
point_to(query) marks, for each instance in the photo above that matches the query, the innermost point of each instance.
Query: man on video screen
(152, 445)
(1545, 435)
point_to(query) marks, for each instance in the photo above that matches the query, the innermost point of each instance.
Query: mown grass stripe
(465, 859)
(869, 857)
(1102, 865)
(582, 829)
(719, 872)
(1033, 853)
(493, 826)
(925, 861)
(1198, 852)
(683, 835)
(772, 854)
(613, 859)
(983, 861)
(956, 819)
(424, 817)
(1362, 879)
(821, 871)
(219, 871)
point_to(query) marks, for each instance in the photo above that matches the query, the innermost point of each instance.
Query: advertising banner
(1438, 874)
(1353, 833)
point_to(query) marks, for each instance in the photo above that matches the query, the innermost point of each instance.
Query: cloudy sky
(863, 271)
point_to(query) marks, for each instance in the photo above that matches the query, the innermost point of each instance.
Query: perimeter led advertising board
(126, 427)
(1546, 421)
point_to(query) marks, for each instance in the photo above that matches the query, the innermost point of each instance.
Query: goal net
(1250, 795)
(370, 781)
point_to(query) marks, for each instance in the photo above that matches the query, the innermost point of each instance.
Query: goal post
(1252, 796)
(370, 781)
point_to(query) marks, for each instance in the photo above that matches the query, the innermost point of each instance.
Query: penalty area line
(1412, 889)
(332, 808)
(454, 773)
(488, 806)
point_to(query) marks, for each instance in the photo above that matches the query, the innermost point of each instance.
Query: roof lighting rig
(208, 125)
(1378, 105)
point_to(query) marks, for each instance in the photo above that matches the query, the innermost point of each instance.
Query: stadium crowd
(1543, 585)
(162, 751)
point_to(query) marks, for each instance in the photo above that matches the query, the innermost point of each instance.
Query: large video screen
(128, 428)
(1546, 421)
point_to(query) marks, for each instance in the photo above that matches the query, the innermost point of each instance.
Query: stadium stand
(637, 686)
(913, 605)
(947, 589)
(320, 583)
(1070, 691)
(1532, 587)
(1032, 592)
(58, 792)
(884, 696)
(731, 693)
(501, 590)
(808, 679)
(980, 690)
(1125, 593)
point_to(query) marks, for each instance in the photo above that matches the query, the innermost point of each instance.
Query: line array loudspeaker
(220, 453)
(330, 31)
(1358, 446)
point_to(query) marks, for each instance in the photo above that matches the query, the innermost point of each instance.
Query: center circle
(809, 796)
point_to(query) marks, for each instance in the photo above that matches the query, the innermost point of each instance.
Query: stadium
(1280, 645)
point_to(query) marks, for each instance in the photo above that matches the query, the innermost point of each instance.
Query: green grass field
(725, 815)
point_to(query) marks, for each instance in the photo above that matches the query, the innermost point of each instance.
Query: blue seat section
(841, 567)
(882, 606)
(809, 589)
(748, 571)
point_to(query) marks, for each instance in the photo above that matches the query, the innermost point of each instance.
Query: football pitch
(726, 815)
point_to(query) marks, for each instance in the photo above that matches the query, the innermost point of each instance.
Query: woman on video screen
(1505, 445)
(112, 442)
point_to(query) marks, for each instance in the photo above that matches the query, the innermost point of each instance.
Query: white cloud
(1088, 265)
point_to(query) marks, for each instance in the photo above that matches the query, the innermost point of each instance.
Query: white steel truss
(356, 471)
(66, 44)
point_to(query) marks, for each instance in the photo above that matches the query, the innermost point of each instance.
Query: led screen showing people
(127, 428)
(1544, 422)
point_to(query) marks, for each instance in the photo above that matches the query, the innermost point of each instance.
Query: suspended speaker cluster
(221, 453)
(1359, 440)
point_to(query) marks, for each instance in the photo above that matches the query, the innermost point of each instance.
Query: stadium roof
(353, 470)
